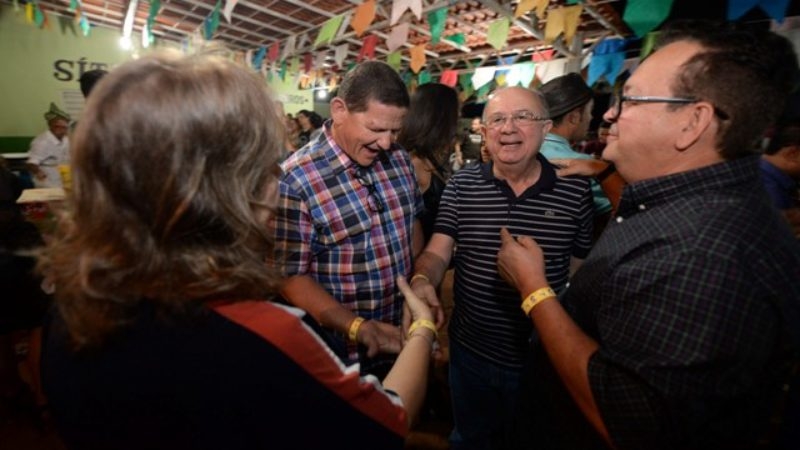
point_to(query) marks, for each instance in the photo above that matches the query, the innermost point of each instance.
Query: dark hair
(746, 74)
(431, 123)
(373, 80)
(171, 163)
(785, 135)
(89, 79)
(314, 119)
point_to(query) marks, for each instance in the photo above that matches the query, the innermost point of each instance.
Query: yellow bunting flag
(562, 20)
(526, 5)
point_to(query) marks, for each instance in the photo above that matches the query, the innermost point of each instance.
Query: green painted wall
(293, 99)
(42, 66)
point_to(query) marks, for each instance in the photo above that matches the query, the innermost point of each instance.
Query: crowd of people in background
(226, 273)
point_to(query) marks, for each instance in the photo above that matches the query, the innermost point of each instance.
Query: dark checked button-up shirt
(349, 228)
(692, 294)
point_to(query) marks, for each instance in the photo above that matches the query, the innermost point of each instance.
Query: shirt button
(619, 219)
(642, 207)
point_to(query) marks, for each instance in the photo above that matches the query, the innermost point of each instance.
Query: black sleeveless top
(431, 199)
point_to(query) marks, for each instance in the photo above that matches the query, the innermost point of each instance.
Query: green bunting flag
(437, 20)
(328, 31)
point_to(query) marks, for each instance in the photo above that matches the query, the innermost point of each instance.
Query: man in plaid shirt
(347, 219)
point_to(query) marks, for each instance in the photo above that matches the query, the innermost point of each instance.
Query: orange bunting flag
(363, 17)
(417, 57)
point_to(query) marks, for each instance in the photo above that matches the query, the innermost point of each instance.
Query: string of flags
(607, 59)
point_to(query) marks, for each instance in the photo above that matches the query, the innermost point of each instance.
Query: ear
(574, 117)
(547, 127)
(338, 110)
(698, 124)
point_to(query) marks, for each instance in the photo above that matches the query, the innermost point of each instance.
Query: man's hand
(521, 262)
(427, 292)
(380, 337)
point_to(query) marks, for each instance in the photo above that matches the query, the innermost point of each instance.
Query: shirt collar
(546, 181)
(552, 137)
(715, 177)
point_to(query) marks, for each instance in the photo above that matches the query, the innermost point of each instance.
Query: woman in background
(163, 335)
(428, 133)
(310, 126)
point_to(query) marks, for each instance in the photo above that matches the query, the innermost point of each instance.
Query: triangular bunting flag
(228, 10)
(368, 48)
(424, 78)
(328, 31)
(776, 9)
(449, 78)
(339, 54)
(526, 5)
(274, 51)
(437, 20)
(288, 48)
(398, 36)
(400, 6)
(417, 57)
(395, 60)
(498, 33)
(521, 74)
(645, 15)
(562, 20)
(363, 17)
(482, 76)
(457, 38)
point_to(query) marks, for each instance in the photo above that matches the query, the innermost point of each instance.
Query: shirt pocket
(337, 225)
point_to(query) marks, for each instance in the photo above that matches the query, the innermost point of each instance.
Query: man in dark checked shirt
(684, 317)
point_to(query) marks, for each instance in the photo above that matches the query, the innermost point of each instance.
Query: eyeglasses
(373, 198)
(618, 100)
(519, 119)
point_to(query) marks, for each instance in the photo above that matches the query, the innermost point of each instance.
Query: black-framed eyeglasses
(618, 100)
(373, 198)
(519, 119)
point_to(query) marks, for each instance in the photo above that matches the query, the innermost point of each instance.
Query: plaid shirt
(349, 227)
(693, 295)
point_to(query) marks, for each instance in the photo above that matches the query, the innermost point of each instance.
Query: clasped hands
(380, 337)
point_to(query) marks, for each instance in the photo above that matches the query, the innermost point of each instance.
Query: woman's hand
(583, 167)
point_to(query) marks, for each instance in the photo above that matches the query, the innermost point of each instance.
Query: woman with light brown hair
(164, 335)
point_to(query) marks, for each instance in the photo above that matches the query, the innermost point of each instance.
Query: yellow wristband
(423, 323)
(421, 277)
(536, 297)
(352, 333)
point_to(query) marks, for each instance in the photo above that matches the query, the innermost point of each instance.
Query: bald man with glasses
(517, 189)
(686, 315)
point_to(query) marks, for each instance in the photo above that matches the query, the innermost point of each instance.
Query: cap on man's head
(55, 113)
(565, 93)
